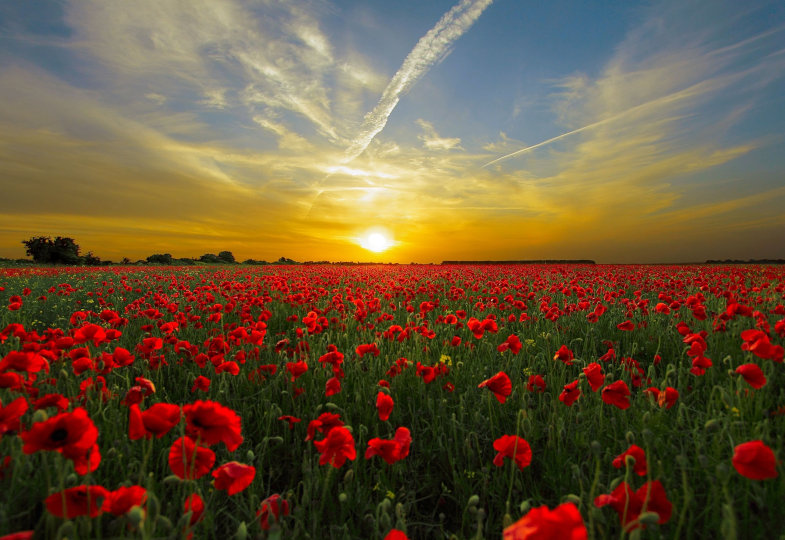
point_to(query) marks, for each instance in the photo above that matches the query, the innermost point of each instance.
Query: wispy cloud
(431, 49)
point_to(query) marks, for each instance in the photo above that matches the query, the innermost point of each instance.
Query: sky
(617, 131)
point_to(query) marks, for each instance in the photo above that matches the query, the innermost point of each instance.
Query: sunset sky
(616, 131)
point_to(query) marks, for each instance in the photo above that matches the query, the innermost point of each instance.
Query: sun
(376, 241)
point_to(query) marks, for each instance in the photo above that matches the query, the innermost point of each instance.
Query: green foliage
(44, 250)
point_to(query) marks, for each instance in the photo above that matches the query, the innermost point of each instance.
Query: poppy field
(422, 401)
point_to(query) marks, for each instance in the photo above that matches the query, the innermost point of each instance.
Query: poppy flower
(700, 364)
(292, 420)
(594, 375)
(271, 509)
(755, 460)
(195, 505)
(11, 414)
(212, 423)
(337, 447)
(121, 500)
(650, 497)
(617, 393)
(513, 343)
(201, 383)
(395, 534)
(390, 450)
(570, 393)
(87, 462)
(752, 374)
(384, 405)
(296, 369)
(564, 522)
(72, 434)
(189, 461)
(233, 477)
(367, 348)
(499, 384)
(626, 326)
(565, 355)
(513, 447)
(332, 386)
(536, 384)
(52, 400)
(26, 361)
(157, 420)
(76, 501)
(324, 423)
(639, 456)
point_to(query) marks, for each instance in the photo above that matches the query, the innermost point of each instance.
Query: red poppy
(121, 500)
(72, 434)
(195, 505)
(27, 361)
(296, 369)
(324, 423)
(11, 414)
(337, 447)
(536, 381)
(512, 343)
(570, 393)
(201, 383)
(563, 522)
(76, 501)
(21, 535)
(594, 375)
(273, 507)
(87, 462)
(617, 393)
(366, 348)
(395, 534)
(755, 460)
(212, 423)
(499, 384)
(390, 450)
(638, 454)
(700, 364)
(513, 447)
(90, 332)
(668, 397)
(189, 461)
(233, 477)
(384, 405)
(52, 400)
(565, 355)
(292, 420)
(332, 386)
(650, 497)
(157, 420)
(752, 374)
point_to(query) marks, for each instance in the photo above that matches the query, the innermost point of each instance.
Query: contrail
(430, 50)
(688, 92)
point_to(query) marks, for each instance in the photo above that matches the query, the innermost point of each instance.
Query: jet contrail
(431, 49)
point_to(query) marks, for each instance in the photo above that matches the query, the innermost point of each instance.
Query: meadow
(352, 402)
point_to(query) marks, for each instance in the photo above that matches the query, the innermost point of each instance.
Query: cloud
(432, 48)
(432, 141)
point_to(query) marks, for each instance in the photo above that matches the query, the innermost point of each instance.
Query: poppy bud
(649, 518)
(630, 436)
(342, 497)
(136, 516)
(40, 415)
(332, 406)
(249, 455)
(525, 506)
(242, 531)
(596, 448)
(573, 498)
(711, 424)
(474, 500)
(506, 521)
(348, 476)
(172, 479)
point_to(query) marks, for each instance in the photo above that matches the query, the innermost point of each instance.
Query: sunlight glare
(376, 242)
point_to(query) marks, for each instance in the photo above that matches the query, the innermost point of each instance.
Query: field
(439, 401)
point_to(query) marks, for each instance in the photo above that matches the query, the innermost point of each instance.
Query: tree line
(65, 251)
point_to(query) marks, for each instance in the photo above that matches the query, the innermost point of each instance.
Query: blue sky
(614, 131)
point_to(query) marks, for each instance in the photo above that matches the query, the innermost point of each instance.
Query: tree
(44, 250)
(209, 258)
(158, 258)
(226, 257)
